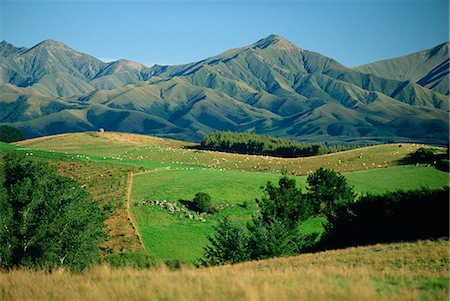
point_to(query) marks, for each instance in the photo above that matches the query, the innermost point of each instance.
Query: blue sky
(174, 32)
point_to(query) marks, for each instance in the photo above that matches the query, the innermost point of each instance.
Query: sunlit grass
(399, 271)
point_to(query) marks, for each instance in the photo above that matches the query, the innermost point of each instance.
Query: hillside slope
(428, 68)
(400, 271)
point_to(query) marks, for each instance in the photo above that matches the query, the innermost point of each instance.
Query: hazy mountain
(429, 68)
(271, 86)
(55, 69)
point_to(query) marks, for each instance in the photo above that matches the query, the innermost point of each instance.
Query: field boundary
(128, 202)
(129, 215)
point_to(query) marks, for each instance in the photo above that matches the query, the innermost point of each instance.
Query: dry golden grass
(400, 271)
(77, 141)
(108, 185)
(172, 152)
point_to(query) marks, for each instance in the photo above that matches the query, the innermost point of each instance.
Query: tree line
(351, 220)
(254, 144)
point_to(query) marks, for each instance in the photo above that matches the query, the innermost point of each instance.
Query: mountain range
(269, 87)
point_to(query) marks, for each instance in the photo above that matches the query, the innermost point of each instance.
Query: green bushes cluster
(138, 259)
(249, 143)
(275, 230)
(393, 216)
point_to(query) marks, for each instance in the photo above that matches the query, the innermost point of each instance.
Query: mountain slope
(429, 68)
(55, 69)
(270, 86)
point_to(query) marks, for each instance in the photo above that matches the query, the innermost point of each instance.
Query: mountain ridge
(270, 86)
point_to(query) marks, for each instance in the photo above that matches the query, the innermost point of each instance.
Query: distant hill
(269, 87)
(429, 68)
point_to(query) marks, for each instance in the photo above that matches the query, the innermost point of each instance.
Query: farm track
(128, 203)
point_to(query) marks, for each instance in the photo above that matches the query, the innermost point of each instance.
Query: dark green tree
(273, 232)
(10, 134)
(202, 202)
(227, 245)
(271, 239)
(284, 202)
(46, 220)
(328, 191)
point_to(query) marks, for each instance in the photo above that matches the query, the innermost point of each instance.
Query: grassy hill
(173, 172)
(173, 236)
(399, 271)
(146, 151)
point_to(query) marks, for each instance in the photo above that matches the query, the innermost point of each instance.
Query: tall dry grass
(401, 271)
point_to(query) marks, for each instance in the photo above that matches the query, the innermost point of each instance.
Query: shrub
(202, 202)
(227, 245)
(327, 191)
(421, 155)
(393, 216)
(284, 202)
(134, 259)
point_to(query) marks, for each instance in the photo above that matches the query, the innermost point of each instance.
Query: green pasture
(168, 237)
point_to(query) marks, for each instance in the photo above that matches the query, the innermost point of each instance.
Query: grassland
(177, 173)
(399, 271)
(171, 236)
(167, 170)
(151, 152)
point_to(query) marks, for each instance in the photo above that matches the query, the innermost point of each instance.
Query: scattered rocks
(175, 208)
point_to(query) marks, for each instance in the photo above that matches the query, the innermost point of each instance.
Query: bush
(202, 202)
(393, 216)
(443, 165)
(134, 259)
(227, 245)
(284, 202)
(421, 155)
(46, 221)
(327, 191)
(10, 134)
(274, 232)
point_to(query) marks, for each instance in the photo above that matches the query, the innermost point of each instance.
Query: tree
(328, 191)
(284, 202)
(227, 245)
(202, 202)
(273, 239)
(10, 134)
(46, 220)
(273, 232)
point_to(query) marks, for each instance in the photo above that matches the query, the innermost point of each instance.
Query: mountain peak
(5, 44)
(51, 43)
(275, 41)
(7, 49)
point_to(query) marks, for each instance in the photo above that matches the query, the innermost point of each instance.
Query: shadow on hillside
(438, 160)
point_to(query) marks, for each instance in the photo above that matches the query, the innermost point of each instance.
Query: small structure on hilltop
(101, 130)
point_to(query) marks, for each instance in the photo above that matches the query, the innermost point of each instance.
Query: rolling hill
(271, 87)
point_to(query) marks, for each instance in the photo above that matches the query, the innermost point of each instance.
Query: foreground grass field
(399, 271)
(171, 236)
